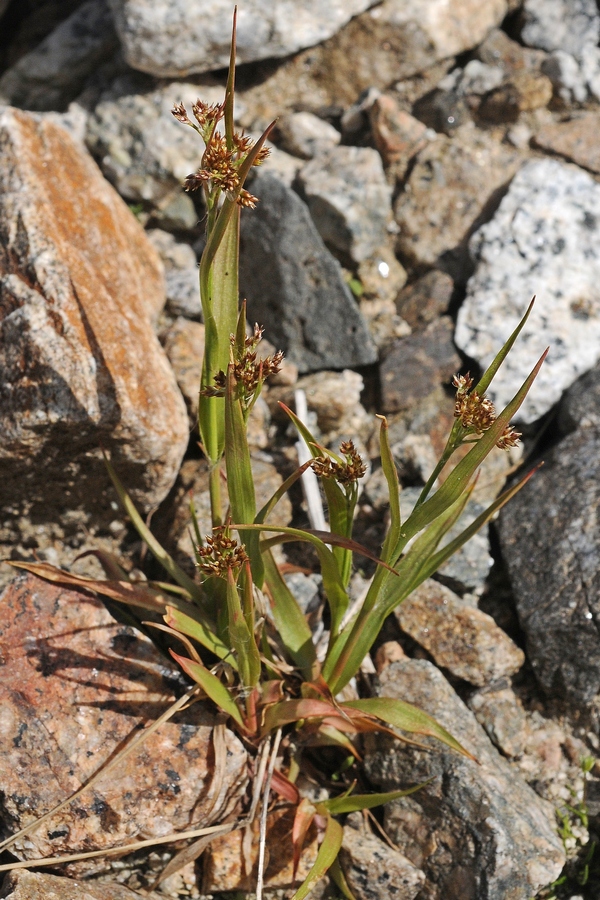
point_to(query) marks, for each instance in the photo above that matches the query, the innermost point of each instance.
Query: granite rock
(23, 885)
(349, 200)
(374, 870)
(54, 72)
(305, 135)
(417, 364)
(500, 712)
(560, 24)
(80, 286)
(575, 79)
(75, 686)
(453, 186)
(459, 637)
(542, 240)
(477, 830)
(294, 286)
(551, 544)
(181, 274)
(575, 139)
(176, 39)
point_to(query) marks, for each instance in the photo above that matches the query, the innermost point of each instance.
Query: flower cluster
(348, 470)
(220, 166)
(221, 553)
(477, 413)
(249, 372)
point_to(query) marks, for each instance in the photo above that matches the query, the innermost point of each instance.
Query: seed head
(221, 553)
(349, 471)
(477, 414)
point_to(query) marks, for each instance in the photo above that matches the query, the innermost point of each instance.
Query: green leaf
(488, 375)
(328, 852)
(339, 805)
(212, 687)
(339, 879)
(407, 717)
(266, 510)
(189, 626)
(391, 476)
(290, 622)
(242, 639)
(288, 711)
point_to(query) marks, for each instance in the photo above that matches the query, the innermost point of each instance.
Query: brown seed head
(221, 553)
(351, 470)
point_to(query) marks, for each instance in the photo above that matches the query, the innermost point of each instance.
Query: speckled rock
(575, 139)
(452, 185)
(174, 39)
(417, 364)
(542, 240)
(181, 274)
(75, 686)
(305, 135)
(500, 712)
(80, 362)
(575, 78)
(477, 830)
(551, 543)
(425, 299)
(560, 24)
(23, 885)
(459, 637)
(294, 286)
(141, 148)
(349, 199)
(54, 72)
(374, 870)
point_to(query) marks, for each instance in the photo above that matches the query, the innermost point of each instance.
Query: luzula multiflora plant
(248, 644)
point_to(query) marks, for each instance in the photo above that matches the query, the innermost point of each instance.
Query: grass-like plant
(248, 645)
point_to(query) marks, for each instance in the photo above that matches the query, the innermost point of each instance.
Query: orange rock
(80, 364)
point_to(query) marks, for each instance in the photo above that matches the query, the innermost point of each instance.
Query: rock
(54, 72)
(229, 864)
(381, 275)
(398, 136)
(542, 240)
(23, 885)
(525, 91)
(498, 50)
(575, 79)
(80, 362)
(305, 135)
(75, 686)
(417, 364)
(334, 397)
(184, 346)
(425, 299)
(453, 186)
(477, 830)
(554, 568)
(181, 274)
(374, 870)
(574, 139)
(295, 287)
(349, 200)
(383, 322)
(560, 24)
(172, 39)
(142, 149)
(500, 712)
(467, 570)
(459, 637)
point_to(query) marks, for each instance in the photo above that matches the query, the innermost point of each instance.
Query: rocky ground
(435, 163)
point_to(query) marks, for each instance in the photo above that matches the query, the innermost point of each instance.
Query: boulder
(79, 361)
(560, 24)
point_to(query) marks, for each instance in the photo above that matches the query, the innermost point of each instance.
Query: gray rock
(477, 830)
(141, 148)
(52, 74)
(459, 637)
(175, 39)
(551, 544)
(500, 712)
(417, 364)
(184, 346)
(349, 199)
(560, 24)
(375, 871)
(181, 274)
(542, 240)
(305, 135)
(575, 78)
(453, 184)
(23, 885)
(425, 299)
(295, 287)
(3, 6)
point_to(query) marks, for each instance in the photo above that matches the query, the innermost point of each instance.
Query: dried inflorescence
(221, 553)
(477, 413)
(348, 470)
(220, 165)
(248, 371)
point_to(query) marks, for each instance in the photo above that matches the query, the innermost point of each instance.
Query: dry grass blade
(107, 767)
(263, 816)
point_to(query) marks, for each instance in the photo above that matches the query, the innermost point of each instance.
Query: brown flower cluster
(221, 553)
(348, 471)
(248, 371)
(220, 165)
(477, 413)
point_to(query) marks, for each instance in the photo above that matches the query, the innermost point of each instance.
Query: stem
(216, 509)
(263, 817)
